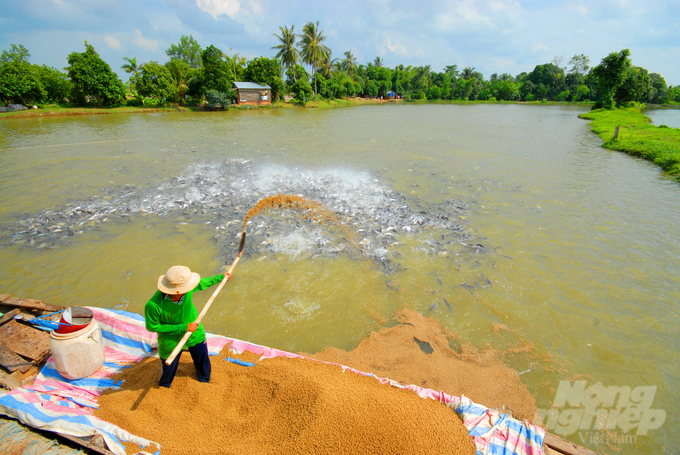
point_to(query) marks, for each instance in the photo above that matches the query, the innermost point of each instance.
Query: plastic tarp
(54, 403)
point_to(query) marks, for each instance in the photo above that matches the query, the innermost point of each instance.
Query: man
(171, 313)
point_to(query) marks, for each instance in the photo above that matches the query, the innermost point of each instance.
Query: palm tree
(131, 65)
(349, 64)
(314, 51)
(378, 62)
(288, 53)
(179, 70)
(328, 66)
(468, 72)
(423, 77)
(238, 64)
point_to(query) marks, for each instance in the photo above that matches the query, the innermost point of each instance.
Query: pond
(664, 116)
(509, 224)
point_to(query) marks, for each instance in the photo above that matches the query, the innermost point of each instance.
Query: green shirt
(171, 320)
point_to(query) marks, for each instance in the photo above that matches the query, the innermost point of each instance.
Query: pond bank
(54, 110)
(638, 137)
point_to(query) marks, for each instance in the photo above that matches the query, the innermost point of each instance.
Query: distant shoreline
(58, 111)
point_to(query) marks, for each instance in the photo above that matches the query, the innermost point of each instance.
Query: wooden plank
(562, 446)
(12, 362)
(25, 341)
(86, 444)
(8, 382)
(9, 316)
(29, 304)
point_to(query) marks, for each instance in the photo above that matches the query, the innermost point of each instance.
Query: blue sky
(494, 36)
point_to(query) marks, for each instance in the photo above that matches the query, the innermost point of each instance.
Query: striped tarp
(54, 403)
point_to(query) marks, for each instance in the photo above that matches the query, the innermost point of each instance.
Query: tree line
(195, 75)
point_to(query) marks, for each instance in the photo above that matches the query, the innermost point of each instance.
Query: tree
(187, 50)
(349, 63)
(313, 49)
(263, 70)
(217, 70)
(580, 64)
(378, 62)
(20, 84)
(15, 54)
(557, 61)
(57, 86)
(302, 90)
(181, 75)
(468, 72)
(288, 54)
(636, 86)
(551, 77)
(451, 70)
(130, 66)
(92, 79)
(155, 81)
(659, 89)
(239, 64)
(610, 74)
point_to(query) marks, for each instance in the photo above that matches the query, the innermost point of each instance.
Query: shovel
(226, 278)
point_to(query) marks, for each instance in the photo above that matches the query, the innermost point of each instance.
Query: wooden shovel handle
(186, 336)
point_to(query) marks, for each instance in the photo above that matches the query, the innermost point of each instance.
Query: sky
(493, 36)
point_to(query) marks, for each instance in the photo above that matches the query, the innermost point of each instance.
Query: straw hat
(178, 280)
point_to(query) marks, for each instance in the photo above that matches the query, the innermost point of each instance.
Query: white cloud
(145, 43)
(218, 7)
(397, 48)
(255, 6)
(538, 46)
(112, 42)
(577, 8)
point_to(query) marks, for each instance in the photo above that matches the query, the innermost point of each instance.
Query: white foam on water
(294, 244)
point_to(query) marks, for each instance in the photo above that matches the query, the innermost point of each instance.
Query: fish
(486, 281)
(433, 307)
(447, 304)
(224, 190)
(467, 286)
(128, 274)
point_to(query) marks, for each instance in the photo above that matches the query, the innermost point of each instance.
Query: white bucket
(78, 354)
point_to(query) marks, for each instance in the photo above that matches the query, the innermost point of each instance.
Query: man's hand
(193, 326)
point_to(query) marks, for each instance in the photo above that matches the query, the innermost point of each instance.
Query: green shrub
(213, 99)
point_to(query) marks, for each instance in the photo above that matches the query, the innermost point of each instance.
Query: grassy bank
(638, 137)
(54, 110)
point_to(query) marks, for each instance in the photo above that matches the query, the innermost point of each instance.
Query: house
(252, 93)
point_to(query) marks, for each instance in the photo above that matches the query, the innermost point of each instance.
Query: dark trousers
(199, 354)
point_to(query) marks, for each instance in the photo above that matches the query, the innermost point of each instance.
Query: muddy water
(512, 216)
(665, 116)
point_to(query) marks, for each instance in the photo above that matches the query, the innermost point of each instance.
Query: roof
(250, 86)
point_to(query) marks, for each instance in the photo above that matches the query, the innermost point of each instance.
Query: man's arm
(205, 283)
(152, 315)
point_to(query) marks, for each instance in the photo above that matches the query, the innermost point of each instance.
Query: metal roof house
(252, 93)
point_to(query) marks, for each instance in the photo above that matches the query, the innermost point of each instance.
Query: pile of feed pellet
(280, 405)
(398, 353)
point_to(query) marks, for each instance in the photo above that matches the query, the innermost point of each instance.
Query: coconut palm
(378, 62)
(468, 72)
(179, 71)
(131, 65)
(313, 51)
(328, 67)
(288, 54)
(349, 64)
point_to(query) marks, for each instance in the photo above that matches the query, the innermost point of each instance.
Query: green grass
(637, 136)
(57, 110)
